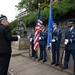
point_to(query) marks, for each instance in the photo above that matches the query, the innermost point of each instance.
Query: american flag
(37, 28)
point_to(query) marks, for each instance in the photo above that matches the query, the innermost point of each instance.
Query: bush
(13, 24)
(14, 31)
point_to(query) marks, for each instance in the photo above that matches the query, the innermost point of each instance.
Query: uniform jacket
(5, 39)
(32, 37)
(56, 34)
(43, 37)
(70, 35)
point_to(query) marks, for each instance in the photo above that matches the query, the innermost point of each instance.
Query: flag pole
(50, 23)
(50, 39)
(37, 32)
(50, 17)
(51, 35)
(37, 29)
(38, 5)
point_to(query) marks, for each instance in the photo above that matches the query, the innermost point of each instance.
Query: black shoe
(56, 64)
(32, 56)
(44, 61)
(64, 67)
(35, 57)
(52, 63)
(39, 59)
(74, 73)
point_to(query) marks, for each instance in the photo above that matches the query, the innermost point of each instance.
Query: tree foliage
(13, 26)
(30, 5)
(61, 9)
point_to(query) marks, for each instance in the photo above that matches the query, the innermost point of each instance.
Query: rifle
(62, 58)
(50, 52)
(30, 50)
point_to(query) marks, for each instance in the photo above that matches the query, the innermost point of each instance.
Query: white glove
(66, 41)
(50, 44)
(30, 39)
(39, 38)
(18, 37)
(53, 40)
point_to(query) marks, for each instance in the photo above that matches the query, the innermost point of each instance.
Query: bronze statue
(21, 29)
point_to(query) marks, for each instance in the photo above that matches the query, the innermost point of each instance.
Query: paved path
(9, 73)
(24, 65)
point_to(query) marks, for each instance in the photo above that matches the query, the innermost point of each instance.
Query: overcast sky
(7, 7)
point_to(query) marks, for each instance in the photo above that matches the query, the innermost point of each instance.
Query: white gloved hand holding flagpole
(66, 41)
(18, 37)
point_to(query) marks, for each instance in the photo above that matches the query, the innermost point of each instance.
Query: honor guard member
(56, 39)
(69, 43)
(5, 44)
(34, 53)
(43, 43)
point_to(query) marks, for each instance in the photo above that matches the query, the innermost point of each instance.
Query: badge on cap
(3, 17)
(70, 21)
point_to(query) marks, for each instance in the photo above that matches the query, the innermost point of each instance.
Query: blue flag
(50, 23)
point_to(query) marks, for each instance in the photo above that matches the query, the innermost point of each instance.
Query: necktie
(53, 29)
(69, 29)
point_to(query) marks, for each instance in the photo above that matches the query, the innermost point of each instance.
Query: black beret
(33, 28)
(55, 23)
(42, 25)
(3, 17)
(70, 21)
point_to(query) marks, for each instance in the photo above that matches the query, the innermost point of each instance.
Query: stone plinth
(21, 44)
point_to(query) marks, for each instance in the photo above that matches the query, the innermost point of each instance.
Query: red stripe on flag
(36, 36)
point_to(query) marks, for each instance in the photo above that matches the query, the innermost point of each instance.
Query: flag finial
(39, 5)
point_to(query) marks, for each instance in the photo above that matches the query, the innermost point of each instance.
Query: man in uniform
(69, 43)
(34, 53)
(43, 43)
(56, 39)
(5, 44)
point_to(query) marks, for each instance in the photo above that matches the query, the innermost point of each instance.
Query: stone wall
(62, 25)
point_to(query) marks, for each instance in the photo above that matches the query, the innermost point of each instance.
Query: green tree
(30, 5)
(63, 9)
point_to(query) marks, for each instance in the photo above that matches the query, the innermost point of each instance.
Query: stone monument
(21, 29)
(23, 43)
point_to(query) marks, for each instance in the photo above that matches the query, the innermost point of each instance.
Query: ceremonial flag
(50, 23)
(37, 29)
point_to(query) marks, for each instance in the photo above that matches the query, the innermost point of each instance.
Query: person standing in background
(34, 53)
(5, 44)
(43, 43)
(56, 39)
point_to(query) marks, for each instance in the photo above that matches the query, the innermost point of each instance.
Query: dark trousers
(67, 57)
(34, 53)
(4, 63)
(55, 52)
(43, 54)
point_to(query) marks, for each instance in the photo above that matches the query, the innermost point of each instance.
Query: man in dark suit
(56, 39)
(43, 43)
(69, 43)
(5, 45)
